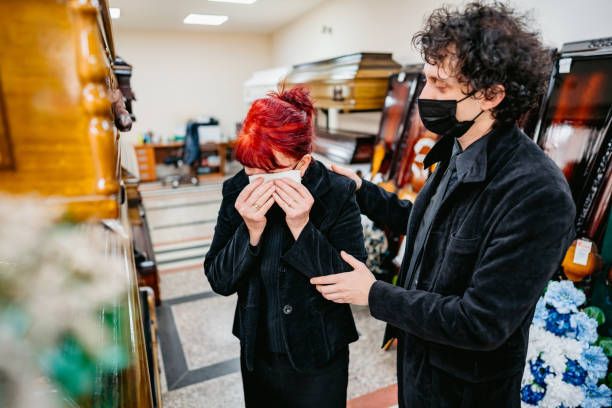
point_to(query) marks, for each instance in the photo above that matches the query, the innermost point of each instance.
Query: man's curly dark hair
(489, 44)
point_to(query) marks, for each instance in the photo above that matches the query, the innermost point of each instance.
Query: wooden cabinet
(150, 155)
(145, 155)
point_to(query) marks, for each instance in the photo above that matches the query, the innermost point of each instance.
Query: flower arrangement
(375, 242)
(57, 288)
(566, 360)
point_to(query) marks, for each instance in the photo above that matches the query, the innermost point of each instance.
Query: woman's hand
(348, 173)
(296, 201)
(252, 204)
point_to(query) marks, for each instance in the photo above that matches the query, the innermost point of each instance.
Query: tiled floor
(199, 353)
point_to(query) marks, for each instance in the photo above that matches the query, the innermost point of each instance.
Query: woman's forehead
(282, 159)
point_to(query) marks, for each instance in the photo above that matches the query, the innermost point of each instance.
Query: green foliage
(595, 313)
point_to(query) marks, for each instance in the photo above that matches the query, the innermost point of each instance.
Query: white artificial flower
(23, 224)
(20, 379)
(552, 349)
(559, 392)
(62, 276)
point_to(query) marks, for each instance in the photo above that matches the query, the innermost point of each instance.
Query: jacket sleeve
(383, 207)
(230, 255)
(525, 251)
(315, 254)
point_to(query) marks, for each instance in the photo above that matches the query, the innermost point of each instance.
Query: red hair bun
(281, 123)
(298, 96)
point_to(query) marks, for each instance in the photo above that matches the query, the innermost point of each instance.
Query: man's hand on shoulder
(347, 173)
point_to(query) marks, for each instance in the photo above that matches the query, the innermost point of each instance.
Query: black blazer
(313, 328)
(498, 238)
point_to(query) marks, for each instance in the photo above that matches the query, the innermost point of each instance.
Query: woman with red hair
(271, 238)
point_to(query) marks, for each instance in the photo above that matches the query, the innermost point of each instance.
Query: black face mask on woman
(438, 116)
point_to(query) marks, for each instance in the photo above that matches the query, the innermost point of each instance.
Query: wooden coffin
(123, 73)
(575, 129)
(57, 137)
(398, 113)
(129, 386)
(144, 256)
(352, 82)
(58, 140)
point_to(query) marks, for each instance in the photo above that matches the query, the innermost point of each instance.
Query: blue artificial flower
(532, 394)
(574, 374)
(564, 296)
(558, 323)
(595, 361)
(541, 313)
(594, 396)
(585, 327)
(539, 372)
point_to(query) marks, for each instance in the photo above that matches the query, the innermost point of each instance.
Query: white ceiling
(263, 16)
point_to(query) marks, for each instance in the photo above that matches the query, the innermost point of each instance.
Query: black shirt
(459, 164)
(274, 242)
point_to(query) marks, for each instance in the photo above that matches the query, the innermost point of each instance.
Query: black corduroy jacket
(500, 234)
(313, 328)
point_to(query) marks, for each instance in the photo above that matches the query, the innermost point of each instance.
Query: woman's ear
(304, 163)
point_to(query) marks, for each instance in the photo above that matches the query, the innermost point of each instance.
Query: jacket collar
(478, 172)
(316, 178)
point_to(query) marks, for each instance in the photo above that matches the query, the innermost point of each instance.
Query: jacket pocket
(457, 266)
(477, 367)
(464, 245)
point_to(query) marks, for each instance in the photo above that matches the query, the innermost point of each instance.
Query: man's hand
(348, 287)
(348, 173)
(252, 204)
(296, 201)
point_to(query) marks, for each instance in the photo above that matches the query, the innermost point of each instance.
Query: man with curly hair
(487, 231)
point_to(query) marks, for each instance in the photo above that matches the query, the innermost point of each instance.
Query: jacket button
(287, 309)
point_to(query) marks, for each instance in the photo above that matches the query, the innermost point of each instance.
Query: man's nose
(426, 92)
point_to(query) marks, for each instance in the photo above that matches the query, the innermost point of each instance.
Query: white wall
(181, 75)
(388, 26)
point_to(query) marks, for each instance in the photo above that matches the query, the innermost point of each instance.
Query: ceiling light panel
(204, 19)
(235, 1)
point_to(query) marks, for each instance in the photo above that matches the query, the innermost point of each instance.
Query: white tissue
(290, 174)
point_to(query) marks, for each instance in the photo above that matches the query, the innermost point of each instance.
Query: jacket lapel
(440, 153)
(418, 209)
(496, 145)
(316, 180)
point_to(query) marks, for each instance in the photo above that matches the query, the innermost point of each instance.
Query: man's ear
(305, 162)
(493, 97)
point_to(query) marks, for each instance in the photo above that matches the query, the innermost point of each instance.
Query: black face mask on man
(439, 116)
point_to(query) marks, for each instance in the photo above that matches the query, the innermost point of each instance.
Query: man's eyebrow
(437, 78)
